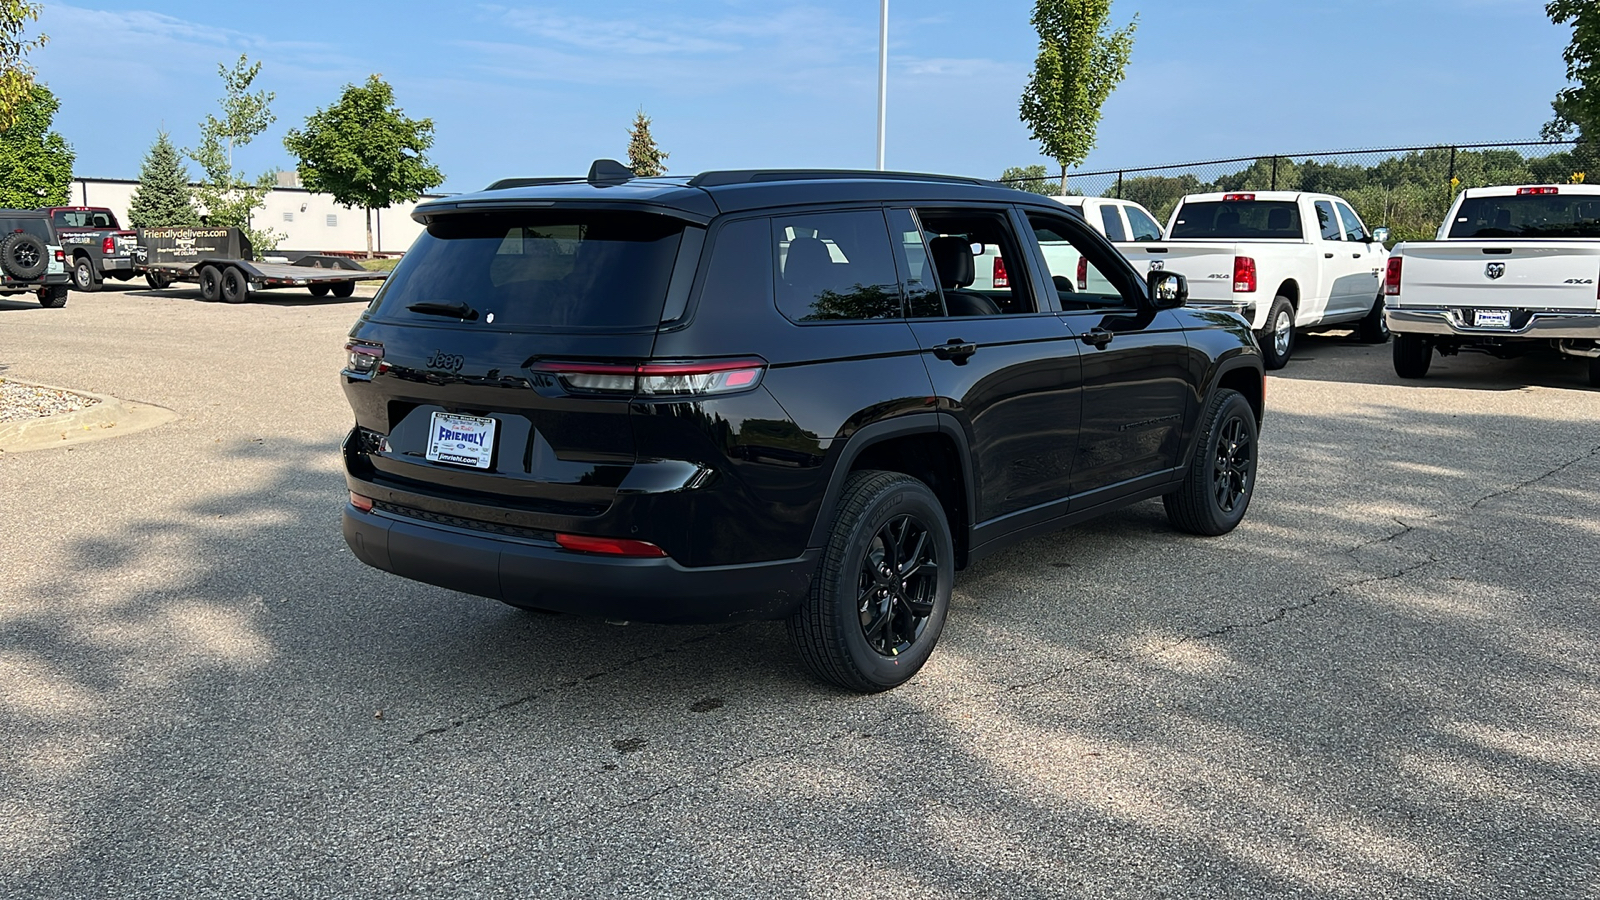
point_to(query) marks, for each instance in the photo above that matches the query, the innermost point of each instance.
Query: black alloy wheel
(1221, 477)
(1234, 465)
(898, 584)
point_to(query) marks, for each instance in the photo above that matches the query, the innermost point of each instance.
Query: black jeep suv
(775, 395)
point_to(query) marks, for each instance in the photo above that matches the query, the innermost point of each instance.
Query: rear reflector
(1244, 275)
(668, 379)
(1391, 278)
(1001, 280)
(610, 546)
(359, 502)
(1537, 190)
(1235, 198)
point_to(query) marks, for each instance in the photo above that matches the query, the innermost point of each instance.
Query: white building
(308, 222)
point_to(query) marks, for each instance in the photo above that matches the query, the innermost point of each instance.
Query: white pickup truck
(1513, 268)
(1123, 222)
(1281, 259)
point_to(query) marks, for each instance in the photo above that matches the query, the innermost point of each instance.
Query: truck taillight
(1244, 275)
(1083, 274)
(1238, 198)
(670, 379)
(1537, 190)
(1001, 280)
(1391, 278)
(108, 246)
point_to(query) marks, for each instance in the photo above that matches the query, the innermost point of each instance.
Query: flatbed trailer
(220, 261)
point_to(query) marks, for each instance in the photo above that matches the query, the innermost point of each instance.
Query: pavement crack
(1536, 479)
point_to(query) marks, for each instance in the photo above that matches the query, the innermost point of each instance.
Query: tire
(1373, 328)
(23, 256)
(1221, 478)
(1594, 371)
(317, 290)
(1277, 342)
(84, 277)
(210, 284)
(157, 280)
(882, 517)
(53, 296)
(1412, 355)
(235, 287)
(343, 289)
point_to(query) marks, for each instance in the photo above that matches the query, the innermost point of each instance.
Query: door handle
(1097, 336)
(1327, 256)
(1355, 256)
(956, 350)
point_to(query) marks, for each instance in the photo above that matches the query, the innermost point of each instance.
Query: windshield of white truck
(1238, 220)
(1528, 216)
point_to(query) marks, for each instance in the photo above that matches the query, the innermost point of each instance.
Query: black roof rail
(529, 182)
(756, 176)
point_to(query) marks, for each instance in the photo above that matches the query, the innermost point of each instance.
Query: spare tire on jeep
(23, 256)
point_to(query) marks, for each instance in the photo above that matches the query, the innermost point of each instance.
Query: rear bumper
(116, 264)
(1539, 324)
(545, 576)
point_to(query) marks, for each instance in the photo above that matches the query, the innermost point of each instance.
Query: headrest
(807, 262)
(952, 259)
(1278, 219)
(1227, 219)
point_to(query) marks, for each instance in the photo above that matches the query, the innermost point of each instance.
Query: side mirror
(1381, 235)
(1168, 290)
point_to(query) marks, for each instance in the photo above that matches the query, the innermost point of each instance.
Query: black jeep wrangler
(31, 260)
(775, 395)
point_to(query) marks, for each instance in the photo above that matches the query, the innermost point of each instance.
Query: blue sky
(544, 89)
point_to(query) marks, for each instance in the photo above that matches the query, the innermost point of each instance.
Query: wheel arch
(1290, 289)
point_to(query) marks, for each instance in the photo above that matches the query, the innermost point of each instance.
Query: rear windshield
(1528, 216)
(556, 269)
(35, 227)
(85, 218)
(1238, 219)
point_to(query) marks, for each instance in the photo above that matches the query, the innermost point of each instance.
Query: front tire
(210, 284)
(1412, 355)
(1221, 478)
(1374, 328)
(881, 594)
(1277, 342)
(235, 288)
(84, 277)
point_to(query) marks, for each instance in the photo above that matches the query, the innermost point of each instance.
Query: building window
(288, 217)
(333, 221)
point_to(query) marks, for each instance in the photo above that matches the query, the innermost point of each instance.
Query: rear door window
(1238, 219)
(1144, 228)
(539, 269)
(1112, 220)
(835, 266)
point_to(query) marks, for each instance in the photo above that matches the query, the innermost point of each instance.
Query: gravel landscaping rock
(19, 402)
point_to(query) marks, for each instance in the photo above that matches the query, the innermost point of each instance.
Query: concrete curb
(108, 418)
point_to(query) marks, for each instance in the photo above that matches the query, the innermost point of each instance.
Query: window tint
(1144, 227)
(1529, 215)
(84, 218)
(1237, 219)
(555, 269)
(1079, 283)
(996, 280)
(1327, 222)
(833, 266)
(1353, 229)
(920, 284)
(1112, 222)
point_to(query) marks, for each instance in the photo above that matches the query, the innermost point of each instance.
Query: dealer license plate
(461, 440)
(1492, 318)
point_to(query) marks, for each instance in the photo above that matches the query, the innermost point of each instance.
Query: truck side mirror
(1381, 235)
(1168, 290)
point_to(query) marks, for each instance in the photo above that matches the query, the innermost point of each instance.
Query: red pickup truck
(97, 247)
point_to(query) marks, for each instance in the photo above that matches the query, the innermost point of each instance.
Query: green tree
(1577, 108)
(35, 162)
(644, 157)
(224, 193)
(16, 76)
(364, 152)
(1081, 60)
(1034, 179)
(163, 197)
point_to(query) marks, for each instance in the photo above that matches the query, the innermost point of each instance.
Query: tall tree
(644, 157)
(1577, 108)
(163, 196)
(16, 76)
(364, 152)
(35, 162)
(1081, 60)
(1033, 179)
(226, 195)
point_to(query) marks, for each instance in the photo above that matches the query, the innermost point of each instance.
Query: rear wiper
(457, 310)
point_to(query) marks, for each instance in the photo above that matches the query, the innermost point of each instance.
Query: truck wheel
(23, 256)
(343, 289)
(210, 284)
(1221, 478)
(880, 596)
(157, 280)
(317, 290)
(1594, 371)
(53, 297)
(1412, 355)
(84, 277)
(1277, 342)
(235, 287)
(1374, 328)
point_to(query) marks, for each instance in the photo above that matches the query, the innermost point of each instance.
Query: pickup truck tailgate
(1207, 266)
(1553, 275)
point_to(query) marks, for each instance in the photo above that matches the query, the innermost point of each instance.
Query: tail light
(609, 546)
(108, 246)
(61, 256)
(1238, 198)
(1244, 275)
(669, 379)
(1537, 190)
(1001, 280)
(1083, 274)
(1391, 277)
(364, 358)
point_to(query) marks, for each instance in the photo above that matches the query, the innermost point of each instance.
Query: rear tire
(343, 289)
(53, 297)
(1221, 478)
(1412, 355)
(84, 277)
(881, 594)
(235, 287)
(210, 284)
(317, 290)
(1374, 328)
(1277, 342)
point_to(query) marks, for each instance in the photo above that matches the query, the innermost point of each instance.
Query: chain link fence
(1406, 189)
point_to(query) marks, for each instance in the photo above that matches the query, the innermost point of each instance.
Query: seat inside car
(952, 259)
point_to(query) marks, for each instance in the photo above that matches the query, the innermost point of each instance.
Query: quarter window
(835, 266)
(1327, 222)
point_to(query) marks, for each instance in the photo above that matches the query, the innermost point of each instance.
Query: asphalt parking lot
(1386, 683)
